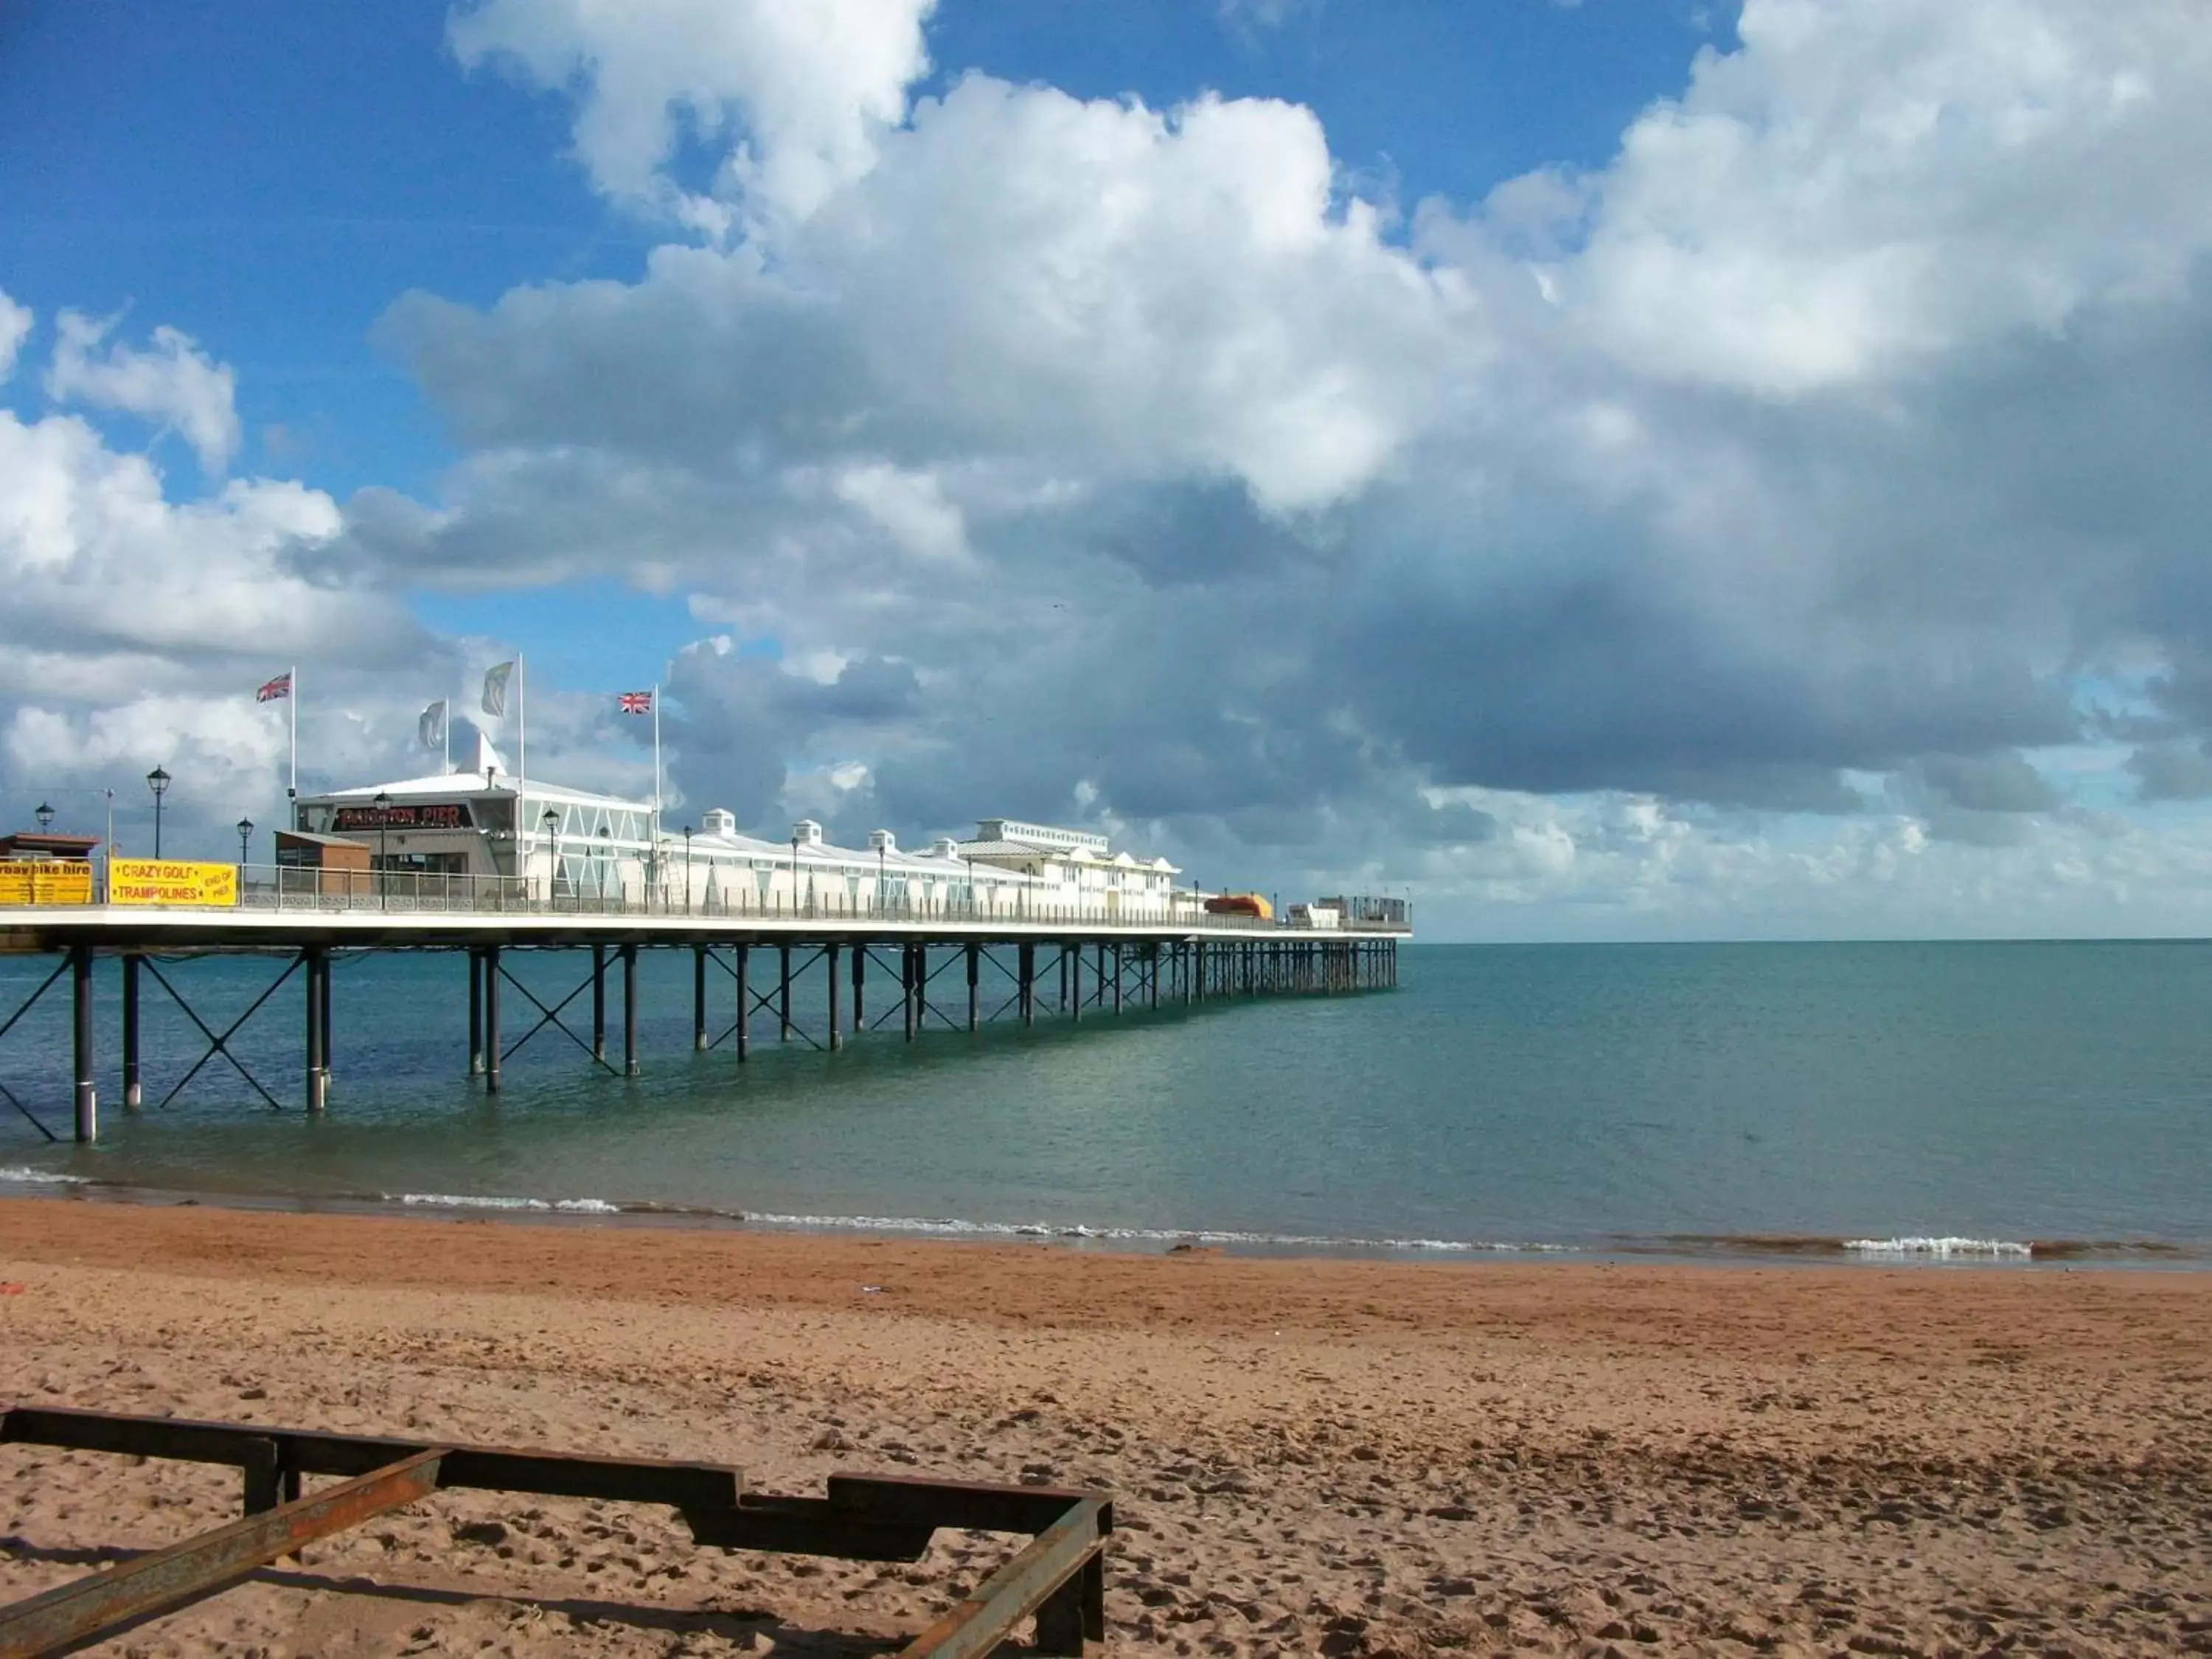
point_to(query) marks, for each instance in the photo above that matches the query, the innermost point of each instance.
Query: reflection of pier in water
(746, 967)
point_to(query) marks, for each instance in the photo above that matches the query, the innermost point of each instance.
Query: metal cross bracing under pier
(816, 983)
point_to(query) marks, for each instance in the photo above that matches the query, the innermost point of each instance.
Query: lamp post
(45, 815)
(549, 821)
(880, 895)
(158, 782)
(794, 872)
(606, 853)
(383, 804)
(245, 841)
(687, 869)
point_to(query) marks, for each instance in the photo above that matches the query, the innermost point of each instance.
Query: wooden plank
(71, 1614)
(806, 1526)
(495, 1469)
(970, 1505)
(1056, 1557)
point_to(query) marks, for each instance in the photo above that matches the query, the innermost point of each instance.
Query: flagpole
(522, 731)
(292, 789)
(656, 777)
(445, 738)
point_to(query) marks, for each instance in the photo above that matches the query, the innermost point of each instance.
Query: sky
(1619, 470)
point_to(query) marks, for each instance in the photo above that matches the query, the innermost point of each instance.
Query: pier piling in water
(630, 1007)
(133, 1093)
(490, 968)
(87, 1088)
(316, 959)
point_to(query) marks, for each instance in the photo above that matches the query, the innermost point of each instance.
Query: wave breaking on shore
(1870, 1248)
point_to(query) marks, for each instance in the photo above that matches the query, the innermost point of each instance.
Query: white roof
(471, 786)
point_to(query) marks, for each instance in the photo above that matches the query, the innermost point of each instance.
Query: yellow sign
(170, 881)
(45, 881)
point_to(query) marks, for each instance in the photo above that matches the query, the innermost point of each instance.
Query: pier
(820, 975)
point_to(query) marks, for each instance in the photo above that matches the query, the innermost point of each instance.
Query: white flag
(494, 696)
(431, 728)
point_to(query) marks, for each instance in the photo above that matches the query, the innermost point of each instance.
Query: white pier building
(549, 842)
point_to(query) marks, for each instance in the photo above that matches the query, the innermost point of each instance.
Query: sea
(1999, 1105)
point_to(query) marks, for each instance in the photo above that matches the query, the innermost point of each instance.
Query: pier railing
(288, 888)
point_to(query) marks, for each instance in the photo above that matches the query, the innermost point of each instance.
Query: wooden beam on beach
(1052, 1579)
(1058, 1578)
(69, 1614)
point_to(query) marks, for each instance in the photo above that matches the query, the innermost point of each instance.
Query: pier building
(480, 828)
(1023, 920)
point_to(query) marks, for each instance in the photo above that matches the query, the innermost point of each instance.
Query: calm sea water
(1931, 1100)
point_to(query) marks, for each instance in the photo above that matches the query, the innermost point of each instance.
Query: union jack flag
(635, 702)
(272, 690)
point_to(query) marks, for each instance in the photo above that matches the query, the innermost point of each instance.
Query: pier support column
(476, 1012)
(323, 1012)
(1075, 981)
(837, 1024)
(599, 1003)
(1026, 987)
(1063, 979)
(1117, 971)
(88, 1089)
(742, 967)
(975, 1015)
(783, 992)
(1152, 979)
(908, 990)
(630, 1010)
(487, 966)
(860, 981)
(698, 998)
(1193, 979)
(132, 1092)
(316, 957)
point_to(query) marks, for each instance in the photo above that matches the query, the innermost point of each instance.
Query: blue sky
(1650, 468)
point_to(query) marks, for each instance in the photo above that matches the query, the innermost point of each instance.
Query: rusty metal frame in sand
(1058, 1578)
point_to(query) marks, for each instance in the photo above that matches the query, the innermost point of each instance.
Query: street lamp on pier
(606, 855)
(45, 815)
(383, 804)
(549, 821)
(245, 841)
(687, 869)
(158, 782)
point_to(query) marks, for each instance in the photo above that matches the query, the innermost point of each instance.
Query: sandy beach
(1335, 1457)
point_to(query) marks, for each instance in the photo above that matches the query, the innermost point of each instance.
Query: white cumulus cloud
(797, 94)
(16, 322)
(174, 384)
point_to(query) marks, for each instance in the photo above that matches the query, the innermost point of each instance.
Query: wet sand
(1335, 1457)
